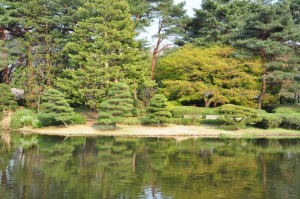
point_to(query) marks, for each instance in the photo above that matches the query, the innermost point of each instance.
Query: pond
(120, 167)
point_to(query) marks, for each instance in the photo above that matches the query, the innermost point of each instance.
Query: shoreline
(179, 132)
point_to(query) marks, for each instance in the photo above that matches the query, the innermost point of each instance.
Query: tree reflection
(117, 167)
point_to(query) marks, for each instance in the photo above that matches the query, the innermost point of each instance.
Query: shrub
(138, 109)
(7, 99)
(23, 117)
(291, 121)
(184, 121)
(157, 112)
(269, 120)
(77, 118)
(239, 116)
(55, 109)
(180, 111)
(218, 122)
(131, 121)
(117, 106)
(287, 109)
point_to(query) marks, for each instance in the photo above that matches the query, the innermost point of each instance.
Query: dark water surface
(114, 167)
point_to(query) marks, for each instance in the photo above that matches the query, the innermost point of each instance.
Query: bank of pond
(123, 167)
(228, 117)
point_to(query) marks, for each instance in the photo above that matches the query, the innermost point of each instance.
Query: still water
(113, 167)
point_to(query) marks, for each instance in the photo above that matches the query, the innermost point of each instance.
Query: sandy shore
(175, 131)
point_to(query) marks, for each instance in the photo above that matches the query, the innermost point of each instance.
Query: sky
(190, 4)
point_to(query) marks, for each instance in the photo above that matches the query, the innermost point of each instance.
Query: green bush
(180, 111)
(131, 121)
(287, 109)
(138, 108)
(23, 117)
(184, 121)
(7, 99)
(77, 118)
(157, 111)
(48, 119)
(239, 116)
(269, 120)
(218, 122)
(291, 121)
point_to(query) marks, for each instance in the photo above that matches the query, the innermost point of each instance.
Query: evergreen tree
(157, 112)
(103, 49)
(118, 105)
(55, 108)
(7, 99)
(172, 20)
(265, 32)
(9, 26)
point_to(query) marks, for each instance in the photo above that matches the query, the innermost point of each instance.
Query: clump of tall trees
(239, 52)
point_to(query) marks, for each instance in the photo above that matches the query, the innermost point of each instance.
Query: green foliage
(287, 109)
(269, 120)
(117, 106)
(138, 109)
(291, 121)
(7, 99)
(157, 112)
(77, 118)
(195, 74)
(55, 109)
(102, 49)
(130, 121)
(23, 117)
(221, 121)
(238, 115)
(180, 111)
(184, 121)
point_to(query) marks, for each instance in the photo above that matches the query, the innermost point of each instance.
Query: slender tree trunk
(30, 65)
(156, 50)
(3, 57)
(263, 81)
(154, 57)
(134, 90)
(208, 102)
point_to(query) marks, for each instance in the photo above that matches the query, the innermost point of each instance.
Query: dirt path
(174, 131)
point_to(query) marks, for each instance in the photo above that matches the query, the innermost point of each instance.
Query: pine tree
(265, 32)
(103, 49)
(172, 20)
(55, 108)
(157, 112)
(7, 99)
(118, 105)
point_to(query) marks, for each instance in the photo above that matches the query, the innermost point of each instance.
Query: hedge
(180, 111)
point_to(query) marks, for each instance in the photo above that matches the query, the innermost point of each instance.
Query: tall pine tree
(103, 50)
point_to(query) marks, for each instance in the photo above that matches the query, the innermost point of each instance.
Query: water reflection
(5, 140)
(115, 167)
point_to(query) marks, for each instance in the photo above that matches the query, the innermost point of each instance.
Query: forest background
(237, 52)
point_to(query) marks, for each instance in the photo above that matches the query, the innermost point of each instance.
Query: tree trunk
(134, 90)
(3, 57)
(156, 50)
(208, 102)
(154, 58)
(263, 81)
